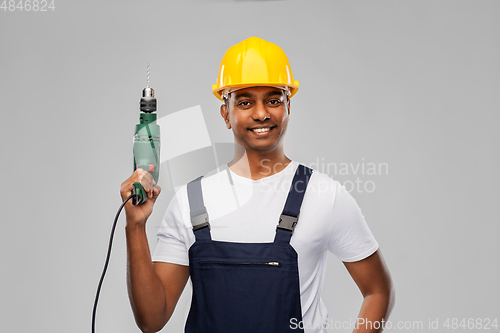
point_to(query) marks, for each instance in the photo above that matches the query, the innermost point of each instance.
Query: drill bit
(148, 91)
(148, 100)
(148, 76)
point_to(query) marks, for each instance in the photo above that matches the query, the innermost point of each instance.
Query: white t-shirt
(245, 210)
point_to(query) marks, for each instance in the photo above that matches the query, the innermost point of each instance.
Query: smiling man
(255, 263)
(258, 117)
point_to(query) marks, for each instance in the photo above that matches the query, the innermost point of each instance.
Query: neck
(257, 165)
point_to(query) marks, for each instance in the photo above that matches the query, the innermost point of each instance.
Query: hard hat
(254, 62)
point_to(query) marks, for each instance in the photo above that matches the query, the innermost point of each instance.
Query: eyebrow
(250, 95)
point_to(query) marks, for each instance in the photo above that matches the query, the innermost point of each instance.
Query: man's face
(263, 108)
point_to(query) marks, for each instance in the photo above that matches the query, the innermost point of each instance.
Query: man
(248, 274)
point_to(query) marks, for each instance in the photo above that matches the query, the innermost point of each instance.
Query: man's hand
(138, 215)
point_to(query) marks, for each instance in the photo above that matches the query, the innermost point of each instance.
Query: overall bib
(245, 287)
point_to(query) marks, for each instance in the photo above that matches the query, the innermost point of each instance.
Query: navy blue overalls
(245, 287)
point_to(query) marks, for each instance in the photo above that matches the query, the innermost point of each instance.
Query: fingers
(138, 215)
(147, 181)
(156, 192)
(148, 205)
(141, 176)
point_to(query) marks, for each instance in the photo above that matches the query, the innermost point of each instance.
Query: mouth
(262, 130)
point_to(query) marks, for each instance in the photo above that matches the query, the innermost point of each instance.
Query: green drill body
(146, 144)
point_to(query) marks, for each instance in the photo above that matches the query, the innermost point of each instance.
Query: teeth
(261, 129)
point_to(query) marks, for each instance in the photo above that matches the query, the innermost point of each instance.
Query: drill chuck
(148, 92)
(148, 100)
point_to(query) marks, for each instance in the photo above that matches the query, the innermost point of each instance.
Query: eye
(275, 102)
(244, 103)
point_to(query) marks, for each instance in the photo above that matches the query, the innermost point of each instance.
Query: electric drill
(146, 143)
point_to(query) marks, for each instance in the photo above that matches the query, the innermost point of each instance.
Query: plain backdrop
(411, 86)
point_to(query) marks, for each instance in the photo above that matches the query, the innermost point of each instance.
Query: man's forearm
(374, 313)
(145, 289)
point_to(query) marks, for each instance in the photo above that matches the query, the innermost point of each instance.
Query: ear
(225, 114)
(288, 105)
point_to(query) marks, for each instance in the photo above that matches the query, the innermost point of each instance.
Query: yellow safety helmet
(254, 62)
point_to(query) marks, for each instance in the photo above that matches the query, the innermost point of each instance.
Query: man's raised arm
(153, 288)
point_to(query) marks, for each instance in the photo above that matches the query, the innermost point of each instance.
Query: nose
(260, 112)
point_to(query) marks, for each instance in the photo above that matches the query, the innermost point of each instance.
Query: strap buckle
(287, 222)
(200, 221)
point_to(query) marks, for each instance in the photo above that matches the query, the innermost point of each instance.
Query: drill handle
(140, 194)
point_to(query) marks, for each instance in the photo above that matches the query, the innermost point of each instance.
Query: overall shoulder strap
(198, 212)
(289, 217)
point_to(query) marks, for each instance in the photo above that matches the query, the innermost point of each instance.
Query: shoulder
(211, 182)
(325, 192)
(322, 185)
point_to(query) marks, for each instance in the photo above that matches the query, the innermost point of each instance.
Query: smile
(262, 131)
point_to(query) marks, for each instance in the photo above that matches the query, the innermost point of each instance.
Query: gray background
(413, 84)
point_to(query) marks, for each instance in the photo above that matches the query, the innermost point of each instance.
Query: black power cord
(107, 262)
